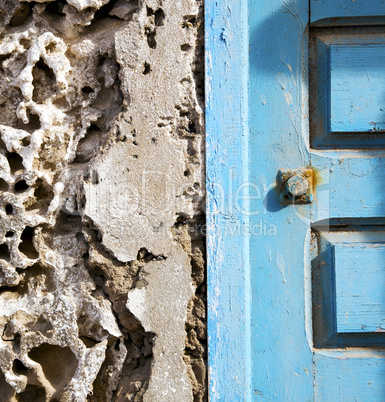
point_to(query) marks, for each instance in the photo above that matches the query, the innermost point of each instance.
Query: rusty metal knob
(297, 185)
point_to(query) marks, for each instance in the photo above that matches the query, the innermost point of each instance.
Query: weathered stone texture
(102, 293)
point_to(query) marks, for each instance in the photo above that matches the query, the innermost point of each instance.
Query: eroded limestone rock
(101, 181)
(159, 283)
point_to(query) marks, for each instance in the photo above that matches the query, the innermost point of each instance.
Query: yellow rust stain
(315, 181)
(317, 177)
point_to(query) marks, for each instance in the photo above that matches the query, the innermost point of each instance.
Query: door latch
(296, 186)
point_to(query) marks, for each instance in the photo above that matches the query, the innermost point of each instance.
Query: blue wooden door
(296, 199)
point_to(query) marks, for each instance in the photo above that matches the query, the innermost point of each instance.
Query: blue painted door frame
(261, 287)
(227, 169)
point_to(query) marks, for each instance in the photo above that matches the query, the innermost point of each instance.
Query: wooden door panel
(357, 88)
(350, 376)
(359, 281)
(348, 286)
(348, 185)
(333, 10)
(347, 87)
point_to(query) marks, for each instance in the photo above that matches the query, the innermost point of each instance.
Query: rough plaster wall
(102, 293)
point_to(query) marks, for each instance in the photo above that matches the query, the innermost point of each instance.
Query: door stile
(279, 139)
(227, 165)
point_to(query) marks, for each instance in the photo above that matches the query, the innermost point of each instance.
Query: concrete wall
(102, 263)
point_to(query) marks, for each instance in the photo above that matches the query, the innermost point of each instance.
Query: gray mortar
(102, 293)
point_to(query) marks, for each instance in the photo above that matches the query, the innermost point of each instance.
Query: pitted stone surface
(162, 281)
(101, 191)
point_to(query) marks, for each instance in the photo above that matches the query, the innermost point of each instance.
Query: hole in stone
(4, 252)
(159, 17)
(186, 173)
(185, 47)
(189, 20)
(42, 196)
(21, 14)
(26, 141)
(15, 162)
(19, 368)
(41, 325)
(88, 146)
(103, 11)
(151, 41)
(9, 234)
(191, 127)
(33, 122)
(32, 393)
(21, 186)
(61, 102)
(7, 391)
(180, 220)
(49, 357)
(3, 185)
(3, 58)
(146, 69)
(26, 43)
(56, 7)
(26, 246)
(93, 128)
(153, 140)
(44, 78)
(89, 342)
(16, 340)
(26, 276)
(145, 256)
(41, 192)
(191, 150)
(50, 48)
(87, 90)
(48, 166)
(9, 209)
(101, 60)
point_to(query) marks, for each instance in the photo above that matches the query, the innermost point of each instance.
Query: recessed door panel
(349, 376)
(356, 11)
(357, 88)
(347, 88)
(348, 185)
(359, 275)
(348, 286)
